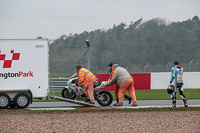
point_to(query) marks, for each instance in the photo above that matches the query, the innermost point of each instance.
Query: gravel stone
(102, 122)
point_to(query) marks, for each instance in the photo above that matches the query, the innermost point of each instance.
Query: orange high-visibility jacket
(84, 76)
(111, 74)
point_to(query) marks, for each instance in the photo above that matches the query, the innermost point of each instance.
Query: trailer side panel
(24, 65)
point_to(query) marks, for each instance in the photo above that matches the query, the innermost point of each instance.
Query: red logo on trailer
(8, 63)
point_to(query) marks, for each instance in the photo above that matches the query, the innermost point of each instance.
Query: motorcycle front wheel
(104, 98)
(67, 94)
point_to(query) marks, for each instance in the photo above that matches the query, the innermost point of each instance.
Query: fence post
(166, 67)
(88, 46)
(145, 68)
(189, 65)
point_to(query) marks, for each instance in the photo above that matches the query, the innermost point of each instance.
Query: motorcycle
(72, 91)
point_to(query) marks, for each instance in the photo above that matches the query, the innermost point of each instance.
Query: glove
(108, 84)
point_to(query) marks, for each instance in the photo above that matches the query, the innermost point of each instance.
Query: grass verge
(98, 110)
(160, 94)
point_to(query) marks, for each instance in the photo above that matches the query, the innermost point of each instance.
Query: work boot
(118, 104)
(129, 98)
(92, 101)
(135, 103)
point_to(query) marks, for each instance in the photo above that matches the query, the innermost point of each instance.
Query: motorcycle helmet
(170, 89)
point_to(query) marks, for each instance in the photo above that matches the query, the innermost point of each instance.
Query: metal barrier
(57, 84)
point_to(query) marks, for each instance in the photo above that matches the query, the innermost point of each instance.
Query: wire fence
(69, 67)
(133, 68)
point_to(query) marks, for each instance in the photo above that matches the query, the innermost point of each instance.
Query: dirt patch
(103, 122)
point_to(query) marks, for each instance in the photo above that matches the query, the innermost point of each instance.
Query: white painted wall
(161, 80)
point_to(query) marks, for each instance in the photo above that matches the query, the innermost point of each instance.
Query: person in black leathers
(177, 82)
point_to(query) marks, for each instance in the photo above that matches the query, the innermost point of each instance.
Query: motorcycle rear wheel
(104, 98)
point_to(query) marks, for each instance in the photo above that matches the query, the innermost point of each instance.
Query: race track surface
(142, 104)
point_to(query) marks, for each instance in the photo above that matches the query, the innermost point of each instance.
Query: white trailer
(24, 73)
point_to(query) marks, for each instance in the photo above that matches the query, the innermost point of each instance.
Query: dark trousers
(173, 95)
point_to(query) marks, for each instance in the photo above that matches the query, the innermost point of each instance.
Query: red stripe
(96, 107)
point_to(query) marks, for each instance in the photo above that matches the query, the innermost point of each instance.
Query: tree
(155, 42)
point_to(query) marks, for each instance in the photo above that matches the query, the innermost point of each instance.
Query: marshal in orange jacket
(85, 76)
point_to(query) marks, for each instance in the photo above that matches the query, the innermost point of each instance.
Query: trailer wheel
(4, 101)
(22, 100)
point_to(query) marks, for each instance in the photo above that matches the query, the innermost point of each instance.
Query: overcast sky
(53, 18)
